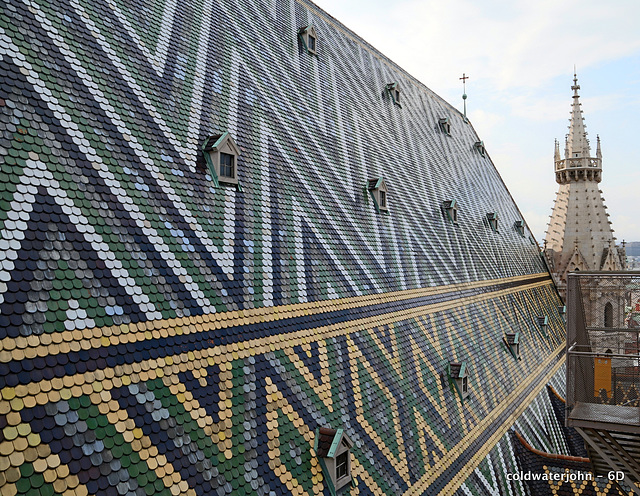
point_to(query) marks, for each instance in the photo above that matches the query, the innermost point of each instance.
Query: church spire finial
(577, 143)
(575, 86)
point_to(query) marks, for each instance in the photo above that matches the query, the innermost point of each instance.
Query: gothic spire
(577, 143)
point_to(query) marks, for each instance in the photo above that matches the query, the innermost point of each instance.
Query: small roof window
(445, 125)
(309, 39)
(459, 375)
(512, 341)
(543, 323)
(519, 227)
(393, 89)
(221, 154)
(479, 146)
(450, 208)
(378, 190)
(333, 449)
(492, 220)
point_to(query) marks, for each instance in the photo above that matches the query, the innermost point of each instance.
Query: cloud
(520, 44)
(486, 123)
(537, 222)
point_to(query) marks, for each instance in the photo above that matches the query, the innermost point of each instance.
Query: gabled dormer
(333, 449)
(519, 227)
(378, 190)
(543, 323)
(459, 376)
(221, 154)
(562, 310)
(309, 39)
(512, 342)
(450, 210)
(479, 147)
(393, 89)
(492, 220)
(445, 125)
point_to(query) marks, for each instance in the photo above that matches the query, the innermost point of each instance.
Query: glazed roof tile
(162, 335)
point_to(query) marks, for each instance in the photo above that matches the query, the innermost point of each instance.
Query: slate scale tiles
(162, 336)
(224, 419)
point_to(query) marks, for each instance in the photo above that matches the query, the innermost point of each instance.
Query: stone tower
(579, 236)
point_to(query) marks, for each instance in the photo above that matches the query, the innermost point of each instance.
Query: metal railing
(603, 339)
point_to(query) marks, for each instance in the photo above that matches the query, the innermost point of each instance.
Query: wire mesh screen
(603, 338)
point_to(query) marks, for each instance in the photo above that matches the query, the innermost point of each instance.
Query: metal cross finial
(464, 82)
(464, 93)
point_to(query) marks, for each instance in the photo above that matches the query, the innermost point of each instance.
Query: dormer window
(563, 312)
(394, 92)
(333, 448)
(445, 125)
(458, 373)
(479, 146)
(519, 227)
(227, 165)
(512, 340)
(450, 208)
(221, 154)
(378, 191)
(492, 219)
(543, 322)
(309, 38)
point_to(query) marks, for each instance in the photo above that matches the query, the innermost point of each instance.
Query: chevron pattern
(159, 335)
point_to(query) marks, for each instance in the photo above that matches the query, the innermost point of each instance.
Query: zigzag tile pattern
(159, 335)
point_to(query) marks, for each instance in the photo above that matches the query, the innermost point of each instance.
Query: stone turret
(579, 236)
(577, 164)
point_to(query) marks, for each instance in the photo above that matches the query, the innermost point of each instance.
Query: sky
(520, 56)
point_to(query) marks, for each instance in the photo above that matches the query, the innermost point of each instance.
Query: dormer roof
(458, 370)
(377, 183)
(329, 440)
(218, 142)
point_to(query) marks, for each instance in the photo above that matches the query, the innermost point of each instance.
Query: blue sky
(520, 57)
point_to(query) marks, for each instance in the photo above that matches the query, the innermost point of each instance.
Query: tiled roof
(159, 335)
(575, 442)
(559, 475)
